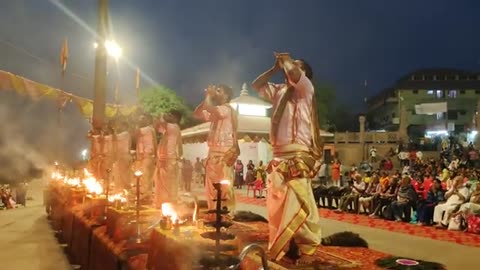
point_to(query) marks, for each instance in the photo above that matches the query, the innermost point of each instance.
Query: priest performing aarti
(145, 151)
(122, 173)
(96, 145)
(169, 153)
(222, 142)
(107, 156)
(294, 228)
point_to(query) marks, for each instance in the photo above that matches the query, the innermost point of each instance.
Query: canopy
(35, 90)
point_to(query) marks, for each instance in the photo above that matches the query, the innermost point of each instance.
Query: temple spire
(244, 91)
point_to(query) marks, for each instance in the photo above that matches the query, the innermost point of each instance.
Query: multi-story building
(450, 95)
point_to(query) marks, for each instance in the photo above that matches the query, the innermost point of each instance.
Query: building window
(393, 115)
(430, 92)
(462, 112)
(440, 116)
(452, 115)
(452, 93)
(439, 94)
(462, 92)
(415, 91)
(477, 92)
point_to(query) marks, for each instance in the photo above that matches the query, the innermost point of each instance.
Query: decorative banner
(23, 86)
(431, 108)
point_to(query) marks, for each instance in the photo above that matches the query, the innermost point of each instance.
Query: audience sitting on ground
(435, 195)
(472, 207)
(455, 196)
(358, 187)
(387, 195)
(406, 199)
(372, 191)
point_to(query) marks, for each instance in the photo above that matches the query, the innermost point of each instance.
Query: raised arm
(262, 80)
(292, 71)
(261, 83)
(207, 105)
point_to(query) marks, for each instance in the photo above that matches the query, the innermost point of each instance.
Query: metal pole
(137, 212)
(100, 83)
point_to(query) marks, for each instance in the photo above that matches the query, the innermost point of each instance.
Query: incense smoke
(29, 138)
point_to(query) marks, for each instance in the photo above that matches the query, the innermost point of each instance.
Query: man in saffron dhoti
(292, 213)
(96, 144)
(107, 157)
(122, 173)
(145, 151)
(222, 142)
(169, 153)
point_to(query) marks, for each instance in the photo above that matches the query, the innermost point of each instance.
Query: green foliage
(333, 116)
(325, 97)
(160, 99)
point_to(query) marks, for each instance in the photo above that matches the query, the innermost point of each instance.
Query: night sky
(187, 44)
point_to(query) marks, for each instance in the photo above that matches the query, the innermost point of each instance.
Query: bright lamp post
(112, 48)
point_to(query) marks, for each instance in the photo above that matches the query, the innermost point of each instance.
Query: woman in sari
(336, 172)
(250, 172)
(239, 174)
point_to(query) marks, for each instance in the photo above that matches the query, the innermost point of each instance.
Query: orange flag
(137, 81)
(64, 56)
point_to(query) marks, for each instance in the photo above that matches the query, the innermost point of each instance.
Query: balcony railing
(369, 137)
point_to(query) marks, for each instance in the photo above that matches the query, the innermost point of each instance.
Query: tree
(333, 116)
(326, 100)
(160, 99)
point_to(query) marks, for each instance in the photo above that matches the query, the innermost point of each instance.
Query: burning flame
(168, 211)
(91, 184)
(117, 197)
(225, 182)
(57, 176)
(74, 182)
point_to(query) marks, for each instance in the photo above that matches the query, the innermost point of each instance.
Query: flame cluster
(168, 211)
(88, 181)
(91, 184)
(122, 197)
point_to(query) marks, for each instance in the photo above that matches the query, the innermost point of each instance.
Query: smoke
(30, 139)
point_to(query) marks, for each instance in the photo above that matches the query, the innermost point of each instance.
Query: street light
(112, 48)
(84, 154)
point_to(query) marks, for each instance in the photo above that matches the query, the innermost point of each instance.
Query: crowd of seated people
(433, 193)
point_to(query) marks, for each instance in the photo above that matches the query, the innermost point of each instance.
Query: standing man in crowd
(223, 147)
(297, 148)
(107, 158)
(169, 154)
(96, 142)
(121, 167)
(198, 171)
(146, 147)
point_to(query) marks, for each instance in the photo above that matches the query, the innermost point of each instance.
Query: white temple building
(253, 131)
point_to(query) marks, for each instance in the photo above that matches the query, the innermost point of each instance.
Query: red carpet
(461, 238)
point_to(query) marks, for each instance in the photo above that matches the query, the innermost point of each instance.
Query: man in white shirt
(455, 196)
(358, 188)
(322, 173)
(373, 154)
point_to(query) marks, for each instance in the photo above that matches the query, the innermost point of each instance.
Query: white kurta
(292, 210)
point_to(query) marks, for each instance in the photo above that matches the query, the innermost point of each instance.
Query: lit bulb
(138, 173)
